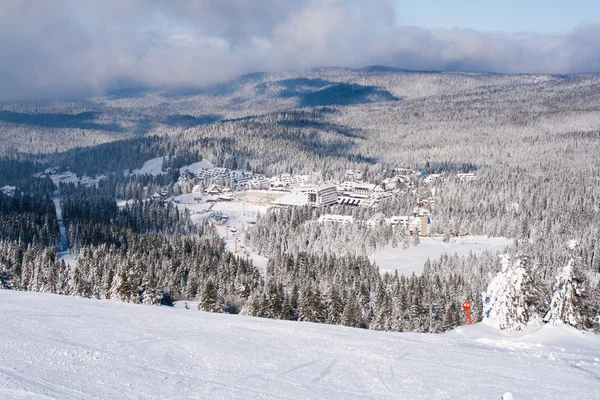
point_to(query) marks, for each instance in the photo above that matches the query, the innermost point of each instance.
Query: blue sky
(541, 16)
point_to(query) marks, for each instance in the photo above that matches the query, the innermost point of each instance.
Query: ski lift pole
(467, 306)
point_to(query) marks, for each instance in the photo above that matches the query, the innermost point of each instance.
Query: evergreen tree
(209, 301)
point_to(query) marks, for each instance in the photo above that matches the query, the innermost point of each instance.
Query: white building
(336, 219)
(411, 225)
(354, 175)
(357, 189)
(322, 195)
(432, 178)
(467, 177)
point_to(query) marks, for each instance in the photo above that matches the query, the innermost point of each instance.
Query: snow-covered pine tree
(209, 301)
(569, 294)
(335, 307)
(507, 300)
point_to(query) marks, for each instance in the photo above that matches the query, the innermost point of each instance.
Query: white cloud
(75, 47)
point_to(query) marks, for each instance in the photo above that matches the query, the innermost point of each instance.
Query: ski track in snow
(58, 347)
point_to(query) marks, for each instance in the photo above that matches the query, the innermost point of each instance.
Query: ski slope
(150, 167)
(56, 347)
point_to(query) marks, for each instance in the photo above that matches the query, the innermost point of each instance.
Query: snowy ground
(56, 347)
(197, 167)
(150, 167)
(410, 260)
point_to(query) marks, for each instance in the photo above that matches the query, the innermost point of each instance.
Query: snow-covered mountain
(58, 347)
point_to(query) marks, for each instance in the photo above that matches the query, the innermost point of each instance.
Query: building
(403, 170)
(411, 225)
(214, 190)
(322, 195)
(467, 177)
(315, 196)
(356, 175)
(336, 219)
(432, 178)
(376, 220)
(357, 189)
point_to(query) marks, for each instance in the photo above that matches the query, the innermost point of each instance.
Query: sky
(69, 48)
(541, 16)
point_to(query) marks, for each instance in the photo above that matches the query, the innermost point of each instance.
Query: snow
(8, 190)
(410, 260)
(292, 199)
(61, 347)
(68, 258)
(150, 167)
(197, 167)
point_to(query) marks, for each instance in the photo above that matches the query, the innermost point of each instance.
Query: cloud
(65, 48)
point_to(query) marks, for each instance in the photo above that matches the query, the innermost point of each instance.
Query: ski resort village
(233, 200)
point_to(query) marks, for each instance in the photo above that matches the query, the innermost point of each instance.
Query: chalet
(214, 190)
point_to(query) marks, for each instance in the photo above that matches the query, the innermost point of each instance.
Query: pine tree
(352, 314)
(570, 295)
(311, 305)
(506, 302)
(209, 301)
(335, 307)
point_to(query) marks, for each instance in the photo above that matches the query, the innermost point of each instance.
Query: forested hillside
(532, 140)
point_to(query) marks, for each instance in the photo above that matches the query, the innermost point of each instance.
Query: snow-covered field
(197, 167)
(56, 347)
(150, 167)
(410, 260)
